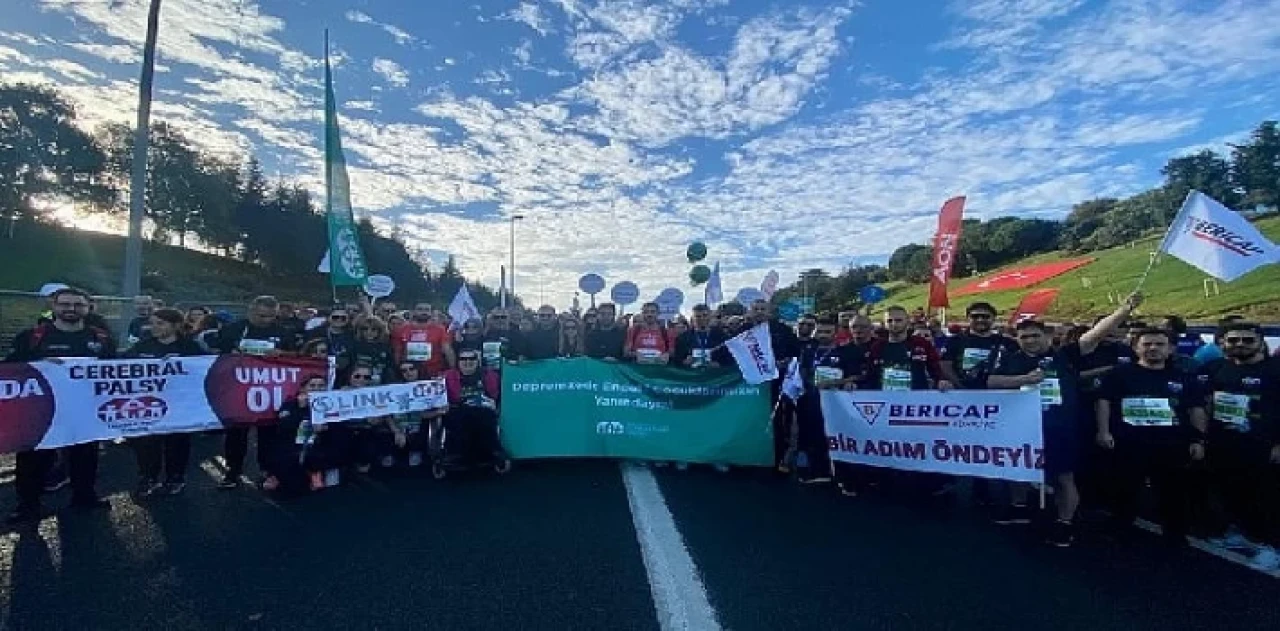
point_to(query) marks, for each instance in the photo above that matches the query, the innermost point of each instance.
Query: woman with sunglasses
(414, 425)
(372, 348)
(337, 334)
(369, 439)
(470, 436)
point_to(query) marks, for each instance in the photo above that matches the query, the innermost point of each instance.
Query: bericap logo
(610, 428)
(1219, 235)
(869, 410)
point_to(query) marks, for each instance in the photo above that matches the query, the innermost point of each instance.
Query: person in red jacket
(471, 425)
(423, 342)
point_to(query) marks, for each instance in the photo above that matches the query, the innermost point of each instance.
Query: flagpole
(1177, 219)
(328, 184)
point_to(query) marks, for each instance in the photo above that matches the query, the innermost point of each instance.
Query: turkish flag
(1033, 305)
(946, 243)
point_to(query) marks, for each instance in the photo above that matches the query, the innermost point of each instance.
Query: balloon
(699, 274)
(696, 252)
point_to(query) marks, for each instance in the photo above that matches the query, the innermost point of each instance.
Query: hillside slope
(41, 254)
(1173, 287)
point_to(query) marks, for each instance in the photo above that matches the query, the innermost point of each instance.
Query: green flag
(346, 260)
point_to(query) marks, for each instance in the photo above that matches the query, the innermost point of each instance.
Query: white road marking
(678, 594)
(1208, 548)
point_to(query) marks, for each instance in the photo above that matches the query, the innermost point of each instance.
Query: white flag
(1217, 240)
(769, 285)
(753, 350)
(463, 308)
(714, 293)
(323, 267)
(793, 385)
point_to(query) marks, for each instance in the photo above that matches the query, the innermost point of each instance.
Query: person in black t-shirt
(853, 358)
(1243, 391)
(822, 366)
(973, 354)
(1056, 375)
(543, 342)
(1151, 415)
(171, 452)
(501, 340)
(606, 339)
(67, 336)
(259, 334)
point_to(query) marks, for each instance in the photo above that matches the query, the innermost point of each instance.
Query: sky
(784, 134)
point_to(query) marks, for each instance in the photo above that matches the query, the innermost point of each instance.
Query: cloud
(401, 36)
(391, 71)
(530, 15)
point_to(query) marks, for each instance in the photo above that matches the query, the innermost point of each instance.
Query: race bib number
(256, 347)
(1231, 410)
(896, 379)
(418, 351)
(701, 356)
(410, 423)
(972, 357)
(492, 353)
(648, 356)
(306, 433)
(823, 374)
(1147, 412)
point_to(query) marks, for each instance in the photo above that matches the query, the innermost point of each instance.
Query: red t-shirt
(421, 343)
(647, 339)
(842, 337)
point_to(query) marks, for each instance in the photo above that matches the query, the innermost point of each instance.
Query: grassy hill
(1173, 287)
(40, 254)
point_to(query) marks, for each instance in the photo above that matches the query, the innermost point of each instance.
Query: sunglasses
(338, 318)
(361, 377)
(980, 316)
(468, 359)
(546, 316)
(498, 317)
(1241, 340)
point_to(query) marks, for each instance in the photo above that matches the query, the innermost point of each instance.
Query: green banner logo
(590, 408)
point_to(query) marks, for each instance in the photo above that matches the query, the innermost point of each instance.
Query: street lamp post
(514, 219)
(132, 281)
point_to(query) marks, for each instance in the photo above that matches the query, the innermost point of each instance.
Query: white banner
(337, 406)
(985, 434)
(753, 350)
(44, 404)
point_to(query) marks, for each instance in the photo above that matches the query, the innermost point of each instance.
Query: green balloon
(699, 274)
(696, 252)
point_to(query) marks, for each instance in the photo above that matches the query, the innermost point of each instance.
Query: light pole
(132, 282)
(514, 219)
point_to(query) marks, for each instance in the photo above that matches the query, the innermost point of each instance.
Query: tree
(1255, 167)
(911, 263)
(1206, 172)
(1085, 219)
(43, 153)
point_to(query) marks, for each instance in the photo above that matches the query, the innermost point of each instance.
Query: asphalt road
(554, 545)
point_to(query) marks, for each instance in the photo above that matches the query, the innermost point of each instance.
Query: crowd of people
(1126, 405)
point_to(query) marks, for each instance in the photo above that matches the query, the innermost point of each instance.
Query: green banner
(346, 260)
(592, 408)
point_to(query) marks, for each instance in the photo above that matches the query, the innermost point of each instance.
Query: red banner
(1022, 276)
(1033, 305)
(945, 245)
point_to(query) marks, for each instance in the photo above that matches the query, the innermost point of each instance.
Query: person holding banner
(543, 342)
(1244, 392)
(168, 451)
(411, 424)
(854, 362)
(606, 340)
(259, 334)
(299, 460)
(1151, 416)
(571, 337)
(67, 336)
(786, 346)
(372, 348)
(647, 341)
(701, 346)
(822, 366)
